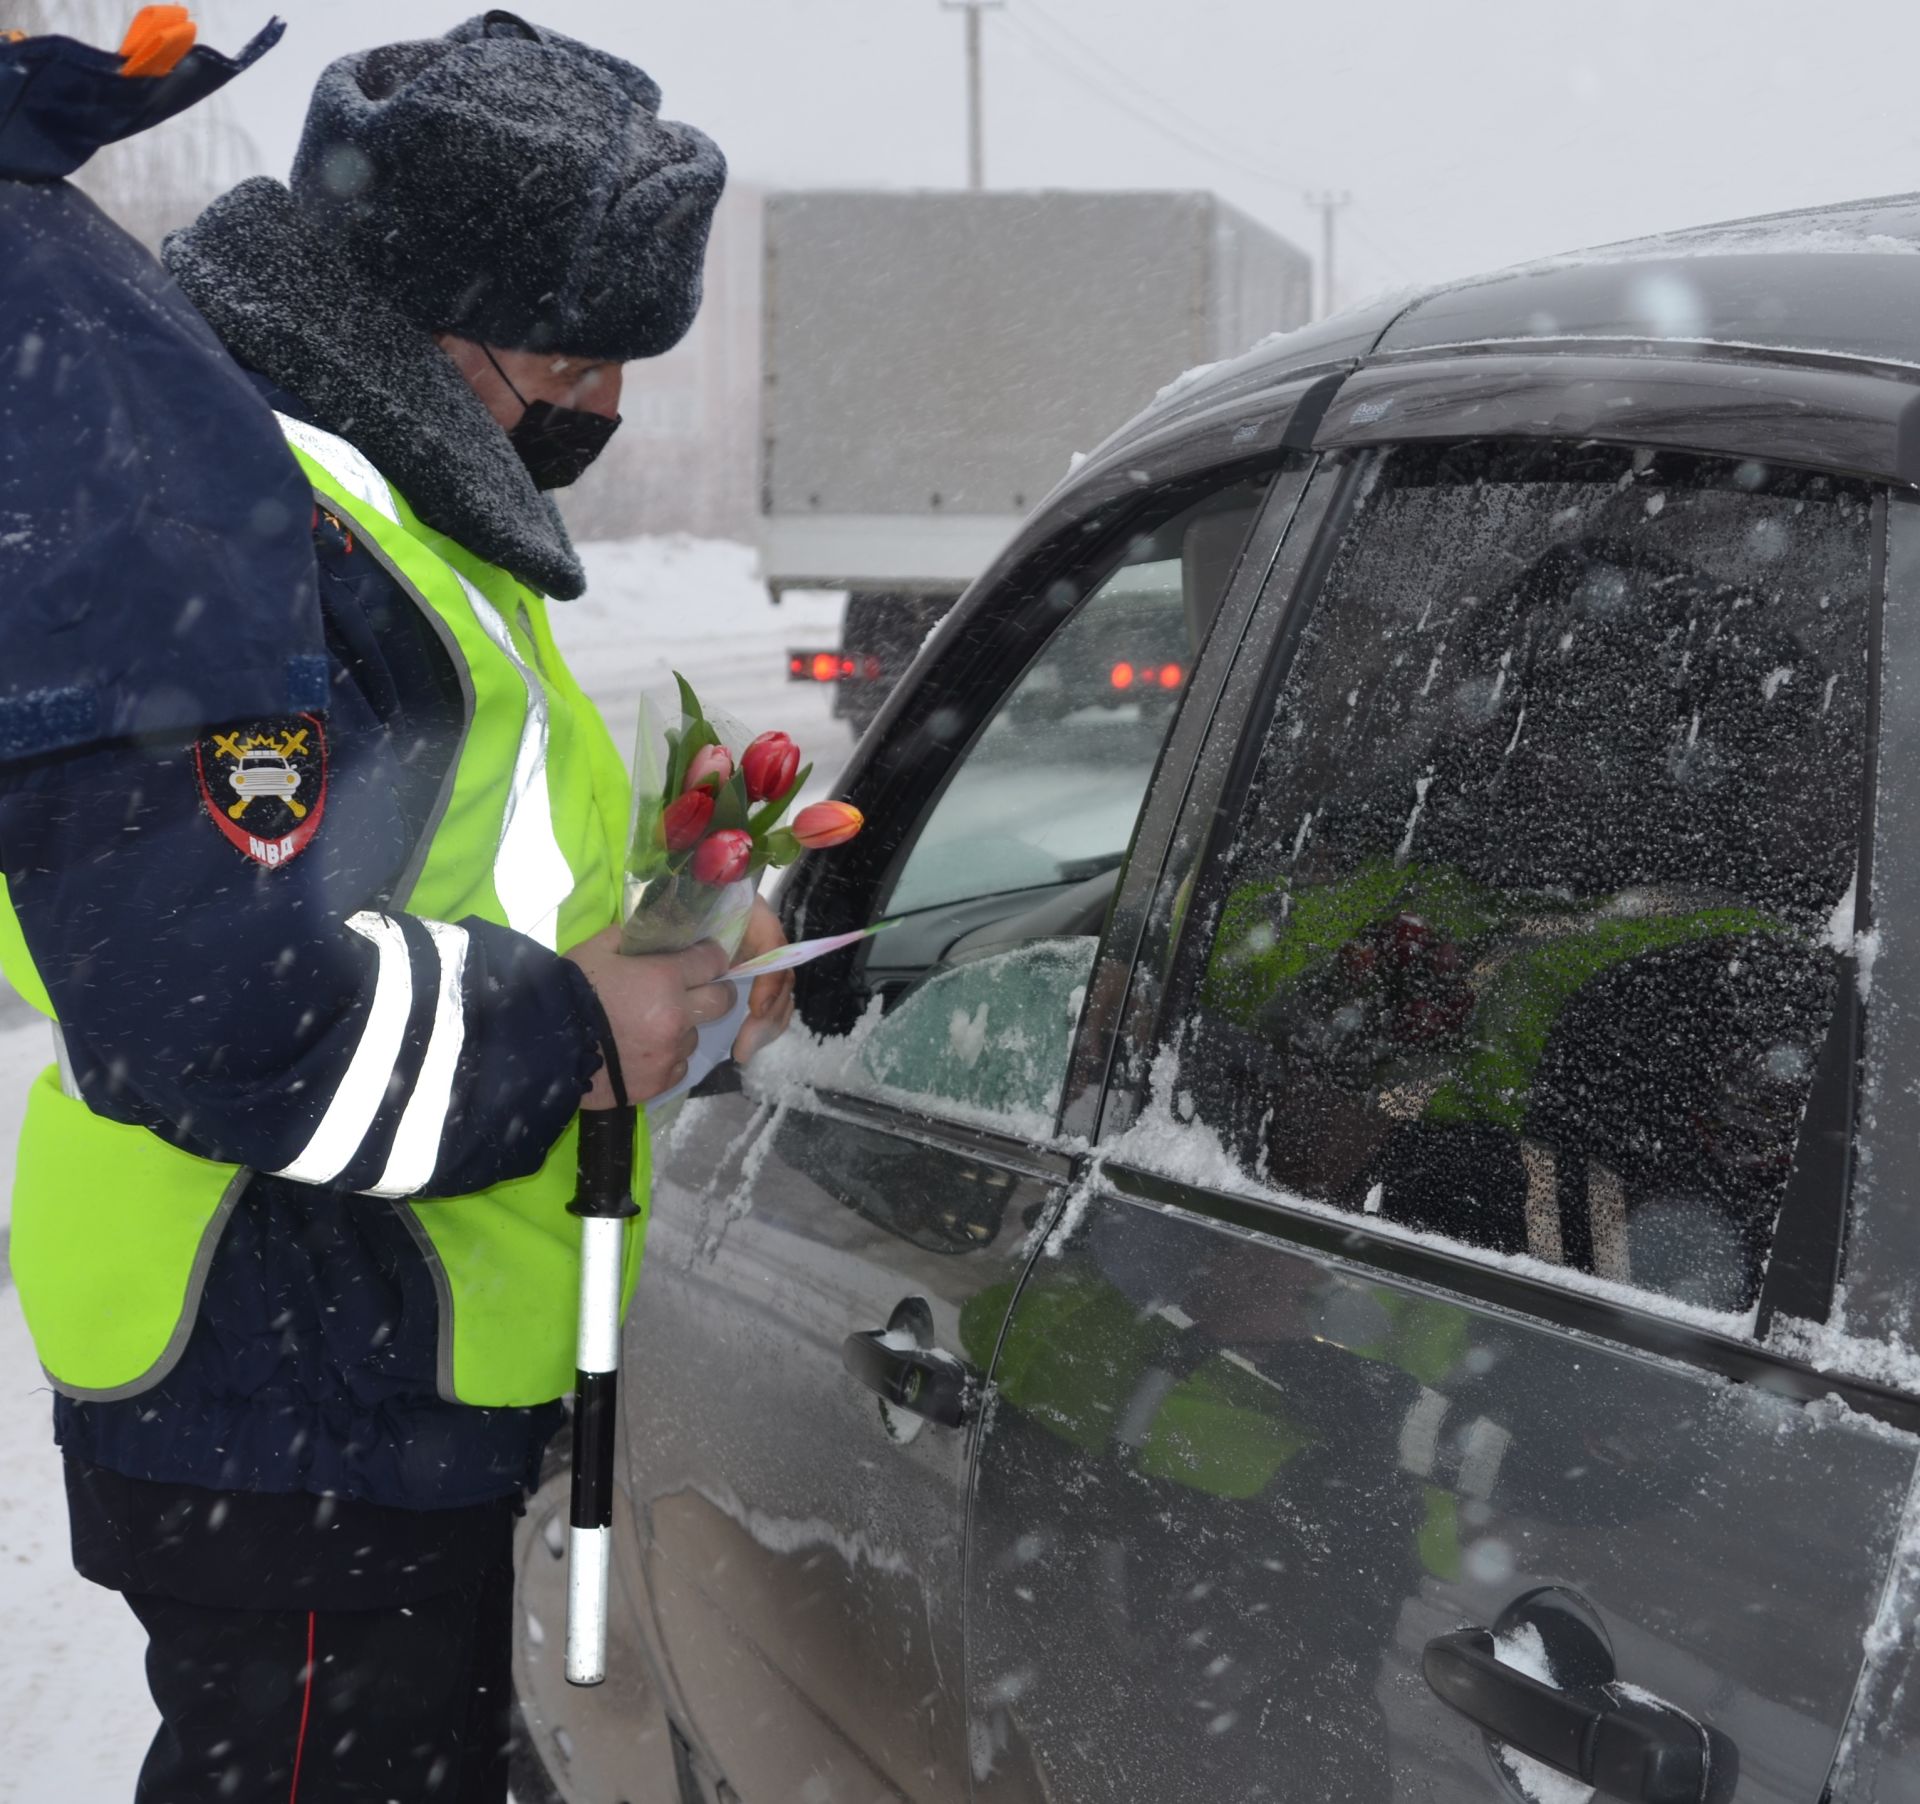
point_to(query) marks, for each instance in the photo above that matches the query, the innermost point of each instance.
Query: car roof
(1834, 282)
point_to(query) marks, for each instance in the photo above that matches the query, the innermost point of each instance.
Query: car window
(1528, 934)
(987, 1039)
(1007, 884)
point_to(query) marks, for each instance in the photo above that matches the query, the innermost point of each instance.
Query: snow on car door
(833, 1249)
(1410, 1408)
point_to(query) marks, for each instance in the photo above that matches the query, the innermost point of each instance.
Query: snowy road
(74, 1716)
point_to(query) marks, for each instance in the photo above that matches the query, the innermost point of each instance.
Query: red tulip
(827, 824)
(769, 764)
(686, 818)
(712, 764)
(723, 857)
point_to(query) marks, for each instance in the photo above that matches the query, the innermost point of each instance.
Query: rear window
(1528, 934)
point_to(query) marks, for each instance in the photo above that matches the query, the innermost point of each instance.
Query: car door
(836, 1236)
(1409, 1405)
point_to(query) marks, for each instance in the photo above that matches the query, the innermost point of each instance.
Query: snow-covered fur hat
(513, 186)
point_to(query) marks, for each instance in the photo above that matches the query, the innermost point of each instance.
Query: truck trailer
(933, 361)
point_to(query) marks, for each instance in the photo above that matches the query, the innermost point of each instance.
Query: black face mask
(557, 444)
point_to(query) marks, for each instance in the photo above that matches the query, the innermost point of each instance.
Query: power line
(1033, 13)
(1384, 251)
(1073, 57)
(1067, 67)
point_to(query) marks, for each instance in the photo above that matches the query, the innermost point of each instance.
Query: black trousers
(387, 1679)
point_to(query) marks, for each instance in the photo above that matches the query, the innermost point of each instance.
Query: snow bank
(75, 1719)
(643, 592)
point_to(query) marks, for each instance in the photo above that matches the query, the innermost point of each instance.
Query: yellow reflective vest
(114, 1228)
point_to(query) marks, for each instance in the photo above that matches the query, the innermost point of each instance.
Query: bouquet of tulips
(707, 814)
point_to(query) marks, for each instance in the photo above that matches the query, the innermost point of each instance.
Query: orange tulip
(827, 824)
(156, 40)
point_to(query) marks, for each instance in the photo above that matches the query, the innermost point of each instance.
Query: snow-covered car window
(1009, 878)
(985, 1040)
(1528, 933)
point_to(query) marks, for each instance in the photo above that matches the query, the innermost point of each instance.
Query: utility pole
(976, 148)
(1329, 204)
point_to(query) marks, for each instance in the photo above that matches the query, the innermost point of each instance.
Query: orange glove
(157, 39)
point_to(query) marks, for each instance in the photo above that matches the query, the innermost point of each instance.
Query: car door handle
(924, 1381)
(1619, 1739)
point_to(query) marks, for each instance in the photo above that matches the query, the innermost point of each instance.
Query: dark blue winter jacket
(155, 569)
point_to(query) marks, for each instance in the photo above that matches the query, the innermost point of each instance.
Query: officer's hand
(770, 1002)
(655, 1005)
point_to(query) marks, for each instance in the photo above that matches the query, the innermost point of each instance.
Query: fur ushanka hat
(513, 186)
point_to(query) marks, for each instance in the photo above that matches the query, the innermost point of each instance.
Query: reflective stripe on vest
(530, 874)
(348, 467)
(114, 1228)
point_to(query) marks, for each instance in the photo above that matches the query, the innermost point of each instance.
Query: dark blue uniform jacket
(154, 565)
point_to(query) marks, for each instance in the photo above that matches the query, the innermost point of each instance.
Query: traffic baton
(605, 1205)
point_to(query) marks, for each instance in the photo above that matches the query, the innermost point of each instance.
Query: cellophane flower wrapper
(665, 909)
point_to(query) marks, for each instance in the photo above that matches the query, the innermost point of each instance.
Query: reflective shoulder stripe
(416, 1143)
(530, 872)
(356, 1101)
(348, 467)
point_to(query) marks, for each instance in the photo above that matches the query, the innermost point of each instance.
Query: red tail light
(808, 666)
(1123, 675)
(1170, 675)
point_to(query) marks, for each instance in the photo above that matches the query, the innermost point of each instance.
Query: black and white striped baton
(605, 1205)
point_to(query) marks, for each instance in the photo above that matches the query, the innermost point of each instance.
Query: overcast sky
(1470, 133)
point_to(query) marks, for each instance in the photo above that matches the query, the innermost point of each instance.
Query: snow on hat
(514, 186)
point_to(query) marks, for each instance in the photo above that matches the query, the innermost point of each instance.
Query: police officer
(331, 985)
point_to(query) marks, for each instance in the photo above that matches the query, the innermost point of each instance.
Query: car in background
(1358, 1238)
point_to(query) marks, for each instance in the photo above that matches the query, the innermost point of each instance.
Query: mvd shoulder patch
(264, 784)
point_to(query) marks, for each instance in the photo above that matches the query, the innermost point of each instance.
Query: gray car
(1356, 1242)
